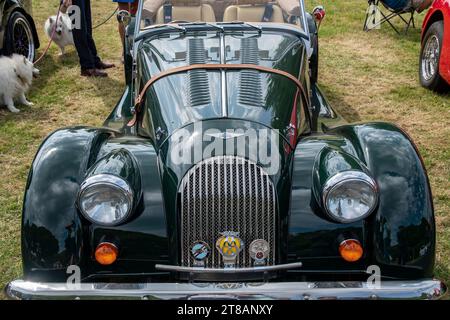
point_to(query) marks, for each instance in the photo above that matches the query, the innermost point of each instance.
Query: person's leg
(90, 39)
(80, 38)
(99, 64)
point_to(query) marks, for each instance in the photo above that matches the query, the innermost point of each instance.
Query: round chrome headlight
(350, 196)
(105, 199)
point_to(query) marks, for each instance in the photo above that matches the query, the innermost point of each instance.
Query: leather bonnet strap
(183, 69)
(176, 70)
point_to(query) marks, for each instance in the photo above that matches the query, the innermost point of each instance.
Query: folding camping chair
(397, 8)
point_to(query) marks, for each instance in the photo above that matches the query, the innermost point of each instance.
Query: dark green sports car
(223, 172)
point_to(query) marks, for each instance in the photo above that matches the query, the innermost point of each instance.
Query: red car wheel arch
(440, 10)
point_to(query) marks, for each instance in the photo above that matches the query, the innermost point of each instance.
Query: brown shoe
(93, 73)
(102, 65)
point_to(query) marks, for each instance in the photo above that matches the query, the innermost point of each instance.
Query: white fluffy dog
(62, 35)
(16, 76)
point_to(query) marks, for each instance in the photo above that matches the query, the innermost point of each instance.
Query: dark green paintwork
(405, 203)
(399, 236)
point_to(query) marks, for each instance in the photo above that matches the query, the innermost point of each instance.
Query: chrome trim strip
(304, 19)
(138, 18)
(417, 289)
(277, 267)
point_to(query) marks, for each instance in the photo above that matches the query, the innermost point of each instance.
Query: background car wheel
(19, 36)
(430, 57)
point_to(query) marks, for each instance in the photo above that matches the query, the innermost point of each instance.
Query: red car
(435, 54)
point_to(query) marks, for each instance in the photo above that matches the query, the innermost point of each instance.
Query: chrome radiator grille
(226, 193)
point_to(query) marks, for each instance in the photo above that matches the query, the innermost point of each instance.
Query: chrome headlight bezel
(344, 177)
(111, 181)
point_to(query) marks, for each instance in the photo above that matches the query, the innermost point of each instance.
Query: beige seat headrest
(253, 2)
(250, 13)
(191, 13)
(184, 3)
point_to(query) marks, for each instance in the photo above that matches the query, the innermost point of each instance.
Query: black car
(17, 29)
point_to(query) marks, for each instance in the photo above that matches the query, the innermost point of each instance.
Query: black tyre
(430, 57)
(19, 36)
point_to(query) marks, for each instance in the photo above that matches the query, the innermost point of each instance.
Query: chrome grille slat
(226, 193)
(272, 204)
(213, 253)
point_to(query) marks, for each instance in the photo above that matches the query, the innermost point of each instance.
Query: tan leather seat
(191, 11)
(150, 8)
(253, 12)
(219, 6)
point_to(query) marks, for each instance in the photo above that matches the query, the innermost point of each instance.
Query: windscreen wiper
(174, 26)
(202, 23)
(257, 28)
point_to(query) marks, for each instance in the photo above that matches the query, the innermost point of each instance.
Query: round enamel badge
(200, 250)
(259, 250)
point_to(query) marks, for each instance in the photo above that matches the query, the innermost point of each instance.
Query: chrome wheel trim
(430, 58)
(23, 41)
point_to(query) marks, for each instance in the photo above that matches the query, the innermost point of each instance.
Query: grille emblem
(200, 252)
(229, 246)
(259, 251)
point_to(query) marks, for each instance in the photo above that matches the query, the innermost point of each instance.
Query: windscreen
(196, 95)
(156, 12)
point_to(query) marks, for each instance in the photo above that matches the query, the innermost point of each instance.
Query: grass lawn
(366, 76)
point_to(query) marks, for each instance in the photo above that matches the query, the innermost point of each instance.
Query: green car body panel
(399, 236)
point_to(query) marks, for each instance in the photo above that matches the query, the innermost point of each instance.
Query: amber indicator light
(106, 253)
(351, 250)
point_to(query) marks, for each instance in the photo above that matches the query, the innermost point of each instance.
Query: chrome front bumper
(421, 289)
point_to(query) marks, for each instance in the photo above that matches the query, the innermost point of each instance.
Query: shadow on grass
(51, 64)
(443, 94)
(442, 272)
(26, 114)
(70, 60)
(413, 34)
(339, 105)
(104, 86)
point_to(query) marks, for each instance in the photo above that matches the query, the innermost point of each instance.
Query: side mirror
(318, 14)
(123, 16)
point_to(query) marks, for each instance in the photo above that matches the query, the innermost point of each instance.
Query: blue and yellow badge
(229, 246)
